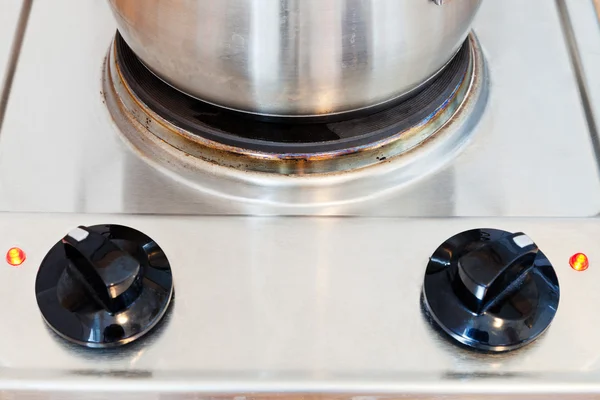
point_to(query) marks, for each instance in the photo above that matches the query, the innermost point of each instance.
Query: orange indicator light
(579, 262)
(15, 256)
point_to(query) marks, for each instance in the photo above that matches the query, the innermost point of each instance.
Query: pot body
(295, 57)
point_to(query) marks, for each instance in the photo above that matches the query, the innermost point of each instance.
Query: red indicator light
(15, 256)
(579, 262)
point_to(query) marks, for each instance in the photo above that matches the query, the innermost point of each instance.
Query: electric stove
(303, 282)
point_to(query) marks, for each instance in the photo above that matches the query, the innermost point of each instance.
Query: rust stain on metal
(403, 142)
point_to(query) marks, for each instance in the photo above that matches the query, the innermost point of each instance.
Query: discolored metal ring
(233, 140)
(236, 174)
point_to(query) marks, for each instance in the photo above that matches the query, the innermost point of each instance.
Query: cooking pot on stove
(295, 57)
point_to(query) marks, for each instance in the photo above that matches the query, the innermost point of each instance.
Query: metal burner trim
(297, 180)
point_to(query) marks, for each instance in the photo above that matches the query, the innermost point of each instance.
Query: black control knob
(491, 290)
(104, 285)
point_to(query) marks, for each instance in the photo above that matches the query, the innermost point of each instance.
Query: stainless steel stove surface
(530, 150)
(9, 19)
(313, 305)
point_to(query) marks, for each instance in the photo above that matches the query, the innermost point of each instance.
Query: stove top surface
(9, 20)
(316, 306)
(531, 154)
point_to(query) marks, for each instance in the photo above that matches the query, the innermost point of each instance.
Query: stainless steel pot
(295, 57)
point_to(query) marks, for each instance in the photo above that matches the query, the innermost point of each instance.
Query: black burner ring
(247, 132)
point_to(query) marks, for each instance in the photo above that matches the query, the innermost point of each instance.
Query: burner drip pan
(215, 149)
